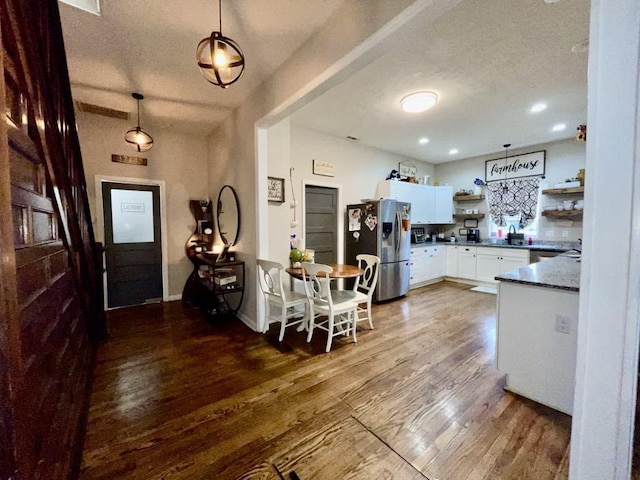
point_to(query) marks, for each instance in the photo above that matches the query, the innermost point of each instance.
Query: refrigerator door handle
(398, 233)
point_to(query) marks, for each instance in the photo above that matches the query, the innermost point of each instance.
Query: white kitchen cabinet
(427, 263)
(467, 262)
(491, 261)
(451, 262)
(443, 205)
(429, 204)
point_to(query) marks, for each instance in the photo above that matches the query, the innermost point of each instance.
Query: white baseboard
(249, 322)
(172, 298)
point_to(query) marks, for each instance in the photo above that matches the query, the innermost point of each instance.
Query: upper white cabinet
(429, 204)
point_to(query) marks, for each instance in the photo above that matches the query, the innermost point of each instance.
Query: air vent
(350, 137)
(104, 111)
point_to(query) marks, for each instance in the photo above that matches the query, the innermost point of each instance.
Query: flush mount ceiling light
(453, 151)
(136, 137)
(220, 59)
(538, 107)
(423, 141)
(559, 127)
(419, 102)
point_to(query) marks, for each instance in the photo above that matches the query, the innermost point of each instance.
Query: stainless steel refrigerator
(382, 228)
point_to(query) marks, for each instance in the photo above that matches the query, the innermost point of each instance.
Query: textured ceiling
(149, 46)
(489, 60)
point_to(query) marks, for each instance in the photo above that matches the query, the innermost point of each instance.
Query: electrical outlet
(563, 324)
(565, 233)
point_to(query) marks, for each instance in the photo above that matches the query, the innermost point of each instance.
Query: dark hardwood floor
(175, 397)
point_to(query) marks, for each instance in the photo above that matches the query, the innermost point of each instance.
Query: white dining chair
(341, 316)
(277, 298)
(363, 288)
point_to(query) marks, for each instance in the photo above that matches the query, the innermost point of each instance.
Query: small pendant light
(136, 137)
(505, 188)
(220, 59)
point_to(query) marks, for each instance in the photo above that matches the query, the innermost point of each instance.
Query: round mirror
(228, 214)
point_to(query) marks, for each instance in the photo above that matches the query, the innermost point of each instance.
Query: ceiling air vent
(104, 111)
(350, 137)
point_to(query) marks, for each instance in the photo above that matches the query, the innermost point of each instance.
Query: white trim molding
(99, 180)
(607, 357)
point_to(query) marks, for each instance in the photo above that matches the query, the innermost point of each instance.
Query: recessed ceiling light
(423, 141)
(453, 151)
(419, 102)
(538, 107)
(559, 127)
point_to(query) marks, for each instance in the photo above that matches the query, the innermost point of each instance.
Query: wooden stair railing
(51, 296)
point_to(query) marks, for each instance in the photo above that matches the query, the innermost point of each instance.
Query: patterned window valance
(513, 197)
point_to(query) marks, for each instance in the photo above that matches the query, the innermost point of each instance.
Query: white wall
(358, 168)
(176, 158)
(563, 160)
(280, 214)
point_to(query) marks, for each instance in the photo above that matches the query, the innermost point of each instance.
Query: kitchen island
(537, 330)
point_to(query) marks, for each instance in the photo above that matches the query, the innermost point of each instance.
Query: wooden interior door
(321, 223)
(133, 244)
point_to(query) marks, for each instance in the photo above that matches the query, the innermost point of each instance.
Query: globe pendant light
(136, 137)
(220, 59)
(505, 188)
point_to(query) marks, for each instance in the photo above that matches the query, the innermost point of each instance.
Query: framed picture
(275, 189)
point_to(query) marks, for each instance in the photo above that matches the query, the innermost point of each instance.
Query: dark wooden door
(321, 223)
(133, 246)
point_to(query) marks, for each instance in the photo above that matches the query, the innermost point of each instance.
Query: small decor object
(204, 205)
(275, 189)
(136, 137)
(581, 136)
(327, 169)
(296, 257)
(220, 59)
(393, 175)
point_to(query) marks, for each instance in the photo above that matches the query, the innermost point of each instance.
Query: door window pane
(132, 216)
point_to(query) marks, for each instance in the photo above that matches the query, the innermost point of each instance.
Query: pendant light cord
(138, 104)
(220, 14)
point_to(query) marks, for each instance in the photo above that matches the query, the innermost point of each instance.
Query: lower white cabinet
(491, 261)
(467, 262)
(451, 265)
(426, 263)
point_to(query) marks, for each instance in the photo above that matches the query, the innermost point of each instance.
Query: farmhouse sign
(518, 166)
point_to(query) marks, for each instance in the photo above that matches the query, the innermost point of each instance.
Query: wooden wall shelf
(563, 191)
(562, 213)
(464, 216)
(467, 198)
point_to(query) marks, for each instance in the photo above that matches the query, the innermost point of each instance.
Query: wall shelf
(464, 216)
(562, 213)
(468, 198)
(563, 191)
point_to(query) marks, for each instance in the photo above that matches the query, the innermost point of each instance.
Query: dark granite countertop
(541, 245)
(561, 272)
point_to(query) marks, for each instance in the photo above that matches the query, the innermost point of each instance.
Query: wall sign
(328, 169)
(407, 170)
(129, 160)
(518, 166)
(275, 189)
